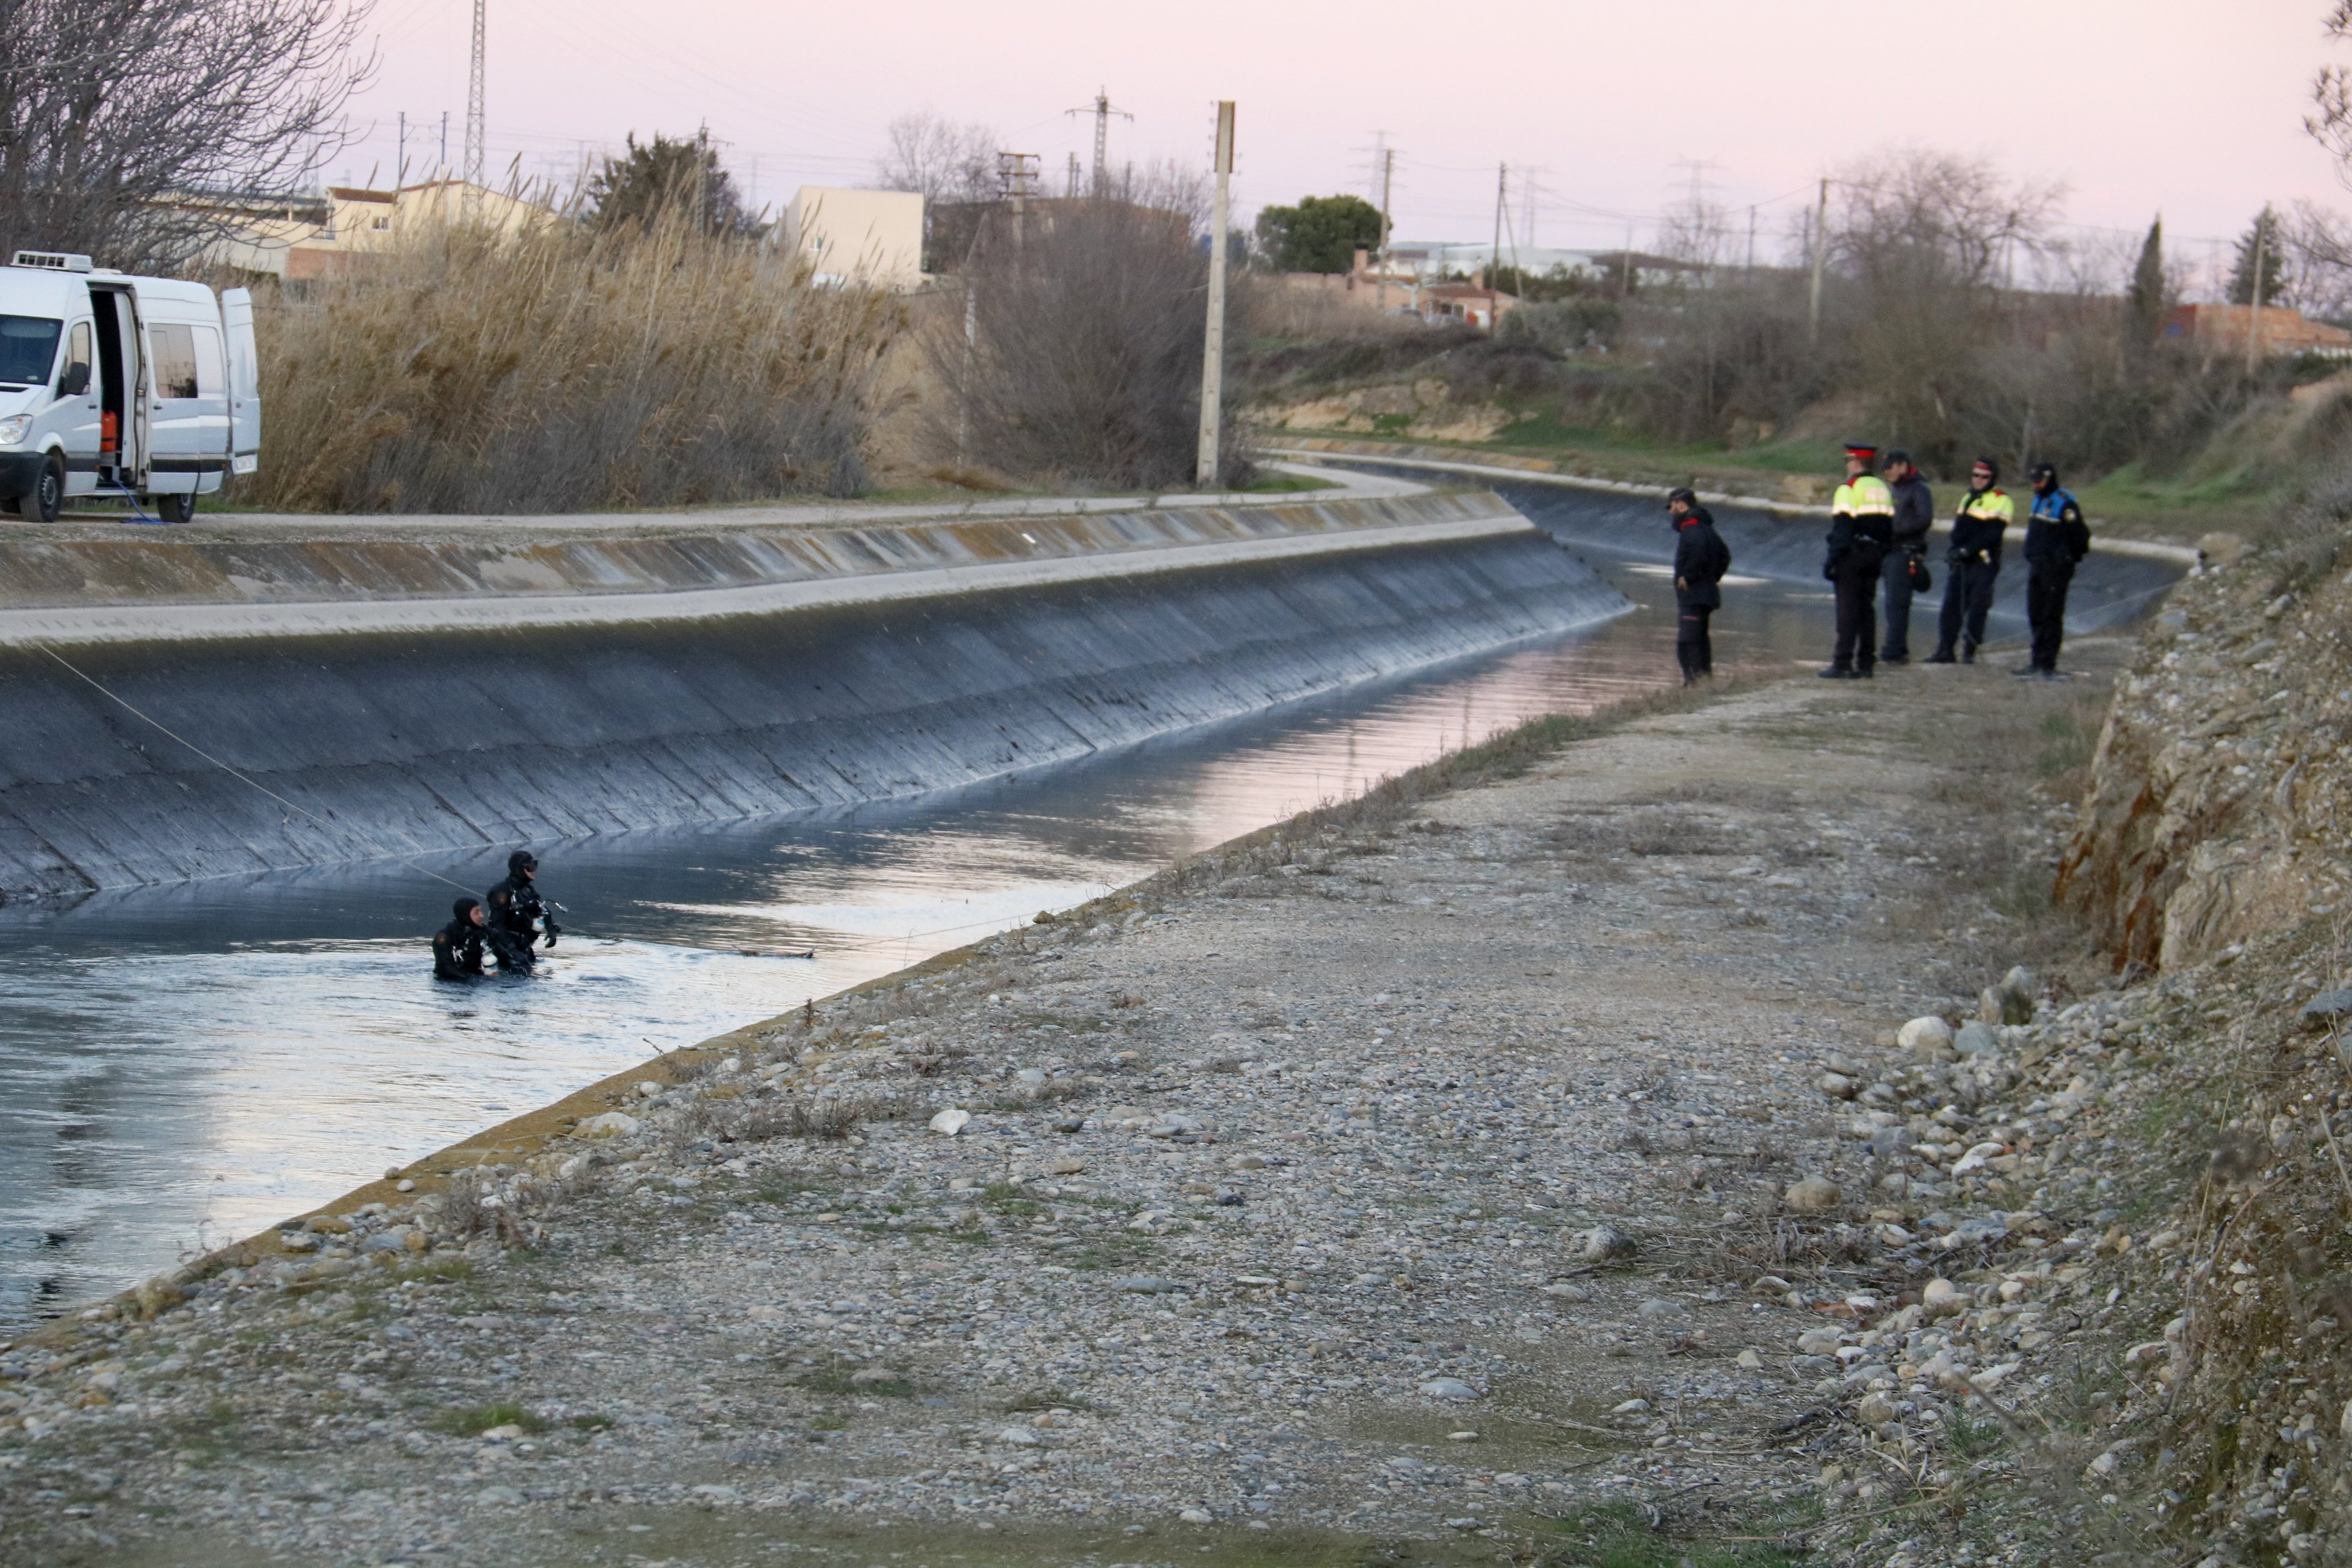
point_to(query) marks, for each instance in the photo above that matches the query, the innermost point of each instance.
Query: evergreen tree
(1321, 234)
(2262, 236)
(2144, 301)
(2147, 280)
(653, 175)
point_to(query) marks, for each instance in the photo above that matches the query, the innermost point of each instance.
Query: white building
(849, 235)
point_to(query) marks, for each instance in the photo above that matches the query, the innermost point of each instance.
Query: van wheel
(49, 496)
(175, 508)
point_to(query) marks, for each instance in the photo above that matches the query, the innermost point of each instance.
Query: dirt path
(1406, 1180)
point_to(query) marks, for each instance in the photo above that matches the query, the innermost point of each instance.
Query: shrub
(559, 368)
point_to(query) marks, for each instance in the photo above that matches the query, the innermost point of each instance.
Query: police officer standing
(1701, 558)
(457, 946)
(1862, 525)
(1914, 513)
(1975, 560)
(515, 911)
(2056, 540)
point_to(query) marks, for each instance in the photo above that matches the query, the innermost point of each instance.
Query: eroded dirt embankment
(2218, 807)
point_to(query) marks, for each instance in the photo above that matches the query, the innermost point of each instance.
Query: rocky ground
(1536, 1170)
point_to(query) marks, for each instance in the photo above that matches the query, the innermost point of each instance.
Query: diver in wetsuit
(517, 913)
(457, 946)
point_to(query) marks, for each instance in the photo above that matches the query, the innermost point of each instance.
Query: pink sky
(2192, 107)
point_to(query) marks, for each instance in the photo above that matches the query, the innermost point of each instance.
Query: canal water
(182, 1066)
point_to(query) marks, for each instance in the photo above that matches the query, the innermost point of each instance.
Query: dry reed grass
(562, 369)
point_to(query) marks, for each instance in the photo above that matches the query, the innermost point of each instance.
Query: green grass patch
(1286, 484)
(473, 1421)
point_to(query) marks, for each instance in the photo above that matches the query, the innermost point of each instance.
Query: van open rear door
(244, 381)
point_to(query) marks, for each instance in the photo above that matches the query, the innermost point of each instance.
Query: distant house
(1472, 304)
(2272, 331)
(304, 237)
(875, 238)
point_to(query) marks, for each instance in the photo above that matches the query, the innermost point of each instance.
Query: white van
(141, 389)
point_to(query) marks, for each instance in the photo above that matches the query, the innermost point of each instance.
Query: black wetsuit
(458, 950)
(514, 915)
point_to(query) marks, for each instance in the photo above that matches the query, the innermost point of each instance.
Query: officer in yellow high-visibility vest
(1862, 527)
(1984, 516)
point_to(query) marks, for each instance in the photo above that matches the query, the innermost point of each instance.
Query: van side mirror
(75, 381)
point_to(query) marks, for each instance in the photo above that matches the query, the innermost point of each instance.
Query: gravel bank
(1480, 1176)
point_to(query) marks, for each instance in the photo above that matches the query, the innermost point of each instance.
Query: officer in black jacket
(457, 946)
(1701, 558)
(1974, 556)
(2056, 540)
(1914, 514)
(518, 914)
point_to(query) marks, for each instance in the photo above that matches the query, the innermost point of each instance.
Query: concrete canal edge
(349, 712)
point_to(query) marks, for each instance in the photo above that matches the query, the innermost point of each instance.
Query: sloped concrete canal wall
(451, 729)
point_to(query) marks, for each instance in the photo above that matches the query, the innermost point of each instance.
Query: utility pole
(1073, 187)
(475, 151)
(1388, 176)
(442, 173)
(1820, 254)
(1495, 255)
(1014, 171)
(400, 165)
(1102, 112)
(1213, 347)
(1747, 274)
(2255, 300)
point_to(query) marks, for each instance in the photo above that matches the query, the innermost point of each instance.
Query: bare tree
(938, 159)
(2330, 122)
(119, 118)
(1084, 367)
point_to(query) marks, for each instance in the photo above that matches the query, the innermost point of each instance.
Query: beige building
(850, 235)
(312, 236)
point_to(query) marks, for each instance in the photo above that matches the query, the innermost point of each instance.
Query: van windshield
(28, 349)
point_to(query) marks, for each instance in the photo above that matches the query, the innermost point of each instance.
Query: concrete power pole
(475, 151)
(1820, 254)
(1388, 178)
(1213, 349)
(1495, 256)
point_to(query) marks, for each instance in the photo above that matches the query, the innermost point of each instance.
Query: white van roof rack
(52, 261)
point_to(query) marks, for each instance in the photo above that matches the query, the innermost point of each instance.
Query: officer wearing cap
(1974, 555)
(1914, 514)
(1862, 527)
(2056, 540)
(1701, 558)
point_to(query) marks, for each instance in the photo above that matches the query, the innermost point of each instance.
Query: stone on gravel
(1448, 1388)
(1603, 1244)
(610, 1124)
(1150, 1284)
(2327, 1008)
(1976, 1038)
(1813, 1195)
(1927, 1036)
(498, 1497)
(950, 1121)
(1197, 1516)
